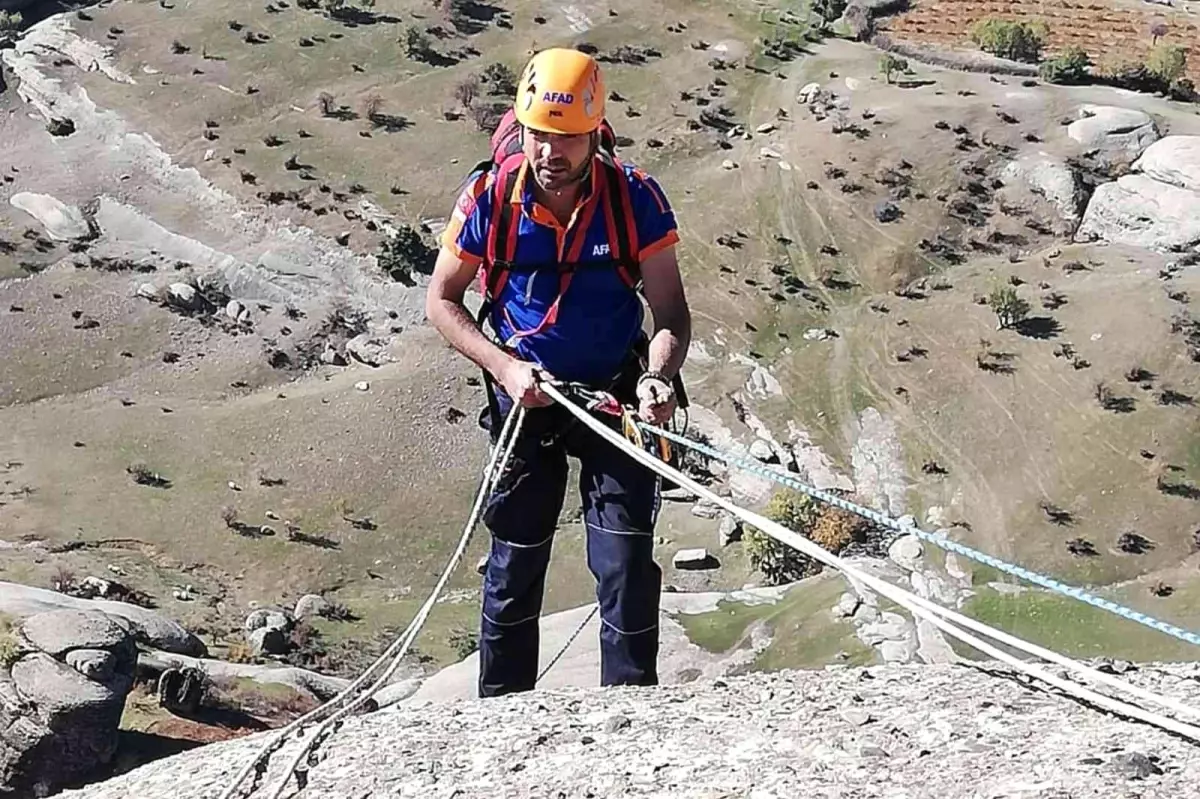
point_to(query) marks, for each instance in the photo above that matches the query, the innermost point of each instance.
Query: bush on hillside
(778, 562)
(1069, 67)
(404, 253)
(1167, 62)
(1018, 41)
(500, 80)
(889, 64)
(1010, 309)
(10, 21)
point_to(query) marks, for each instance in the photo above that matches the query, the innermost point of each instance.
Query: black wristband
(653, 376)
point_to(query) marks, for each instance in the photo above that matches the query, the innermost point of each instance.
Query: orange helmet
(561, 91)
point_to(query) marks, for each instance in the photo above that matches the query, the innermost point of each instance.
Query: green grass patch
(1069, 626)
(724, 628)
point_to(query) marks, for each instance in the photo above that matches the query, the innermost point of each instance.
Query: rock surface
(1049, 178)
(919, 732)
(1174, 160)
(1116, 132)
(147, 626)
(61, 221)
(1140, 211)
(62, 699)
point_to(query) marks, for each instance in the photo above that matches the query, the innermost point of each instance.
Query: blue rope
(938, 540)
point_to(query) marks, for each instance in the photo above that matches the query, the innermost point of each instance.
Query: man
(564, 226)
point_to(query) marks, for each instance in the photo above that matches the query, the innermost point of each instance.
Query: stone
(183, 296)
(180, 690)
(706, 510)
(1047, 177)
(311, 605)
(233, 309)
(331, 357)
(729, 164)
(268, 619)
(1174, 160)
(616, 724)
(678, 494)
(95, 664)
(887, 211)
(765, 127)
(906, 552)
(1138, 211)
(856, 717)
(1134, 766)
(481, 565)
(62, 222)
(846, 605)
(362, 385)
(368, 349)
(730, 530)
(1120, 132)
(267, 641)
(60, 631)
(767, 152)
(819, 334)
(148, 291)
(808, 93)
(694, 559)
(762, 450)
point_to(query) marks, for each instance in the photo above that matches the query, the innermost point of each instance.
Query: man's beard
(557, 174)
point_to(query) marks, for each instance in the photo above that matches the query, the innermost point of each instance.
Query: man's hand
(656, 401)
(520, 381)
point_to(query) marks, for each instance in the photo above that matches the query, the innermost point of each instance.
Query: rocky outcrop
(146, 626)
(1035, 178)
(920, 732)
(1174, 160)
(1143, 212)
(1117, 134)
(61, 221)
(61, 699)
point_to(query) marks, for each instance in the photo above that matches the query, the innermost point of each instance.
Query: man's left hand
(656, 401)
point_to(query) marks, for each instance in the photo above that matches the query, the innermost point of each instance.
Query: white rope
(501, 452)
(919, 607)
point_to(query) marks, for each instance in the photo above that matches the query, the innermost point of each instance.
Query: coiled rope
(941, 541)
(390, 660)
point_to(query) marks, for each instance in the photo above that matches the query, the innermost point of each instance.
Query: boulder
(60, 631)
(730, 530)
(61, 701)
(61, 221)
(311, 605)
(184, 296)
(694, 559)
(181, 689)
(1049, 178)
(267, 641)
(368, 349)
(906, 552)
(762, 450)
(1142, 212)
(1120, 132)
(268, 619)
(1174, 160)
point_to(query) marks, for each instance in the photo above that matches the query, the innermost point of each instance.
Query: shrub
(464, 642)
(416, 43)
(326, 103)
(371, 105)
(1167, 62)
(777, 561)
(466, 91)
(1019, 41)
(1068, 67)
(889, 63)
(500, 80)
(404, 253)
(10, 646)
(10, 22)
(1010, 309)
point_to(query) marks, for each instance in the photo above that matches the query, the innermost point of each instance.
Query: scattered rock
(616, 724)
(729, 164)
(765, 127)
(267, 641)
(678, 494)
(362, 385)
(1139, 211)
(706, 510)
(148, 291)
(1134, 766)
(1174, 160)
(331, 357)
(1120, 132)
(180, 690)
(184, 296)
(847, 604)
(856, 717)
(694, 559)
(730, 530)
(887, 211)
(311, 605)
(368, 349)
(819, 334)
(61, 221)
(234, 309)
(762, 450)
(767, 152)
(906, 551)
(268, 618)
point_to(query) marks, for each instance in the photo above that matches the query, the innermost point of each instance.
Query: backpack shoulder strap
(502, 226)
(622, 226)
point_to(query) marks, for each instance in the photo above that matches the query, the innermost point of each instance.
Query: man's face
(558, 160)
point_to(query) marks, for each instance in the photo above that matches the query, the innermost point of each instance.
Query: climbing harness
(584, 404)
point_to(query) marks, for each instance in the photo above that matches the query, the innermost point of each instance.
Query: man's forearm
(455, 324)
(669, 345)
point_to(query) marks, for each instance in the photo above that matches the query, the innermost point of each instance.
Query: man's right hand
(520, 381)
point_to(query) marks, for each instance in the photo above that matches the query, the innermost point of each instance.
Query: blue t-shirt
(599, 319)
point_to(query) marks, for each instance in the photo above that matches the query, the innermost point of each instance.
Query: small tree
(1010, 309)
(1069, 67)
(1158, 29)
(416, 43)
(778, 562)
(326, 103)
(889, 63)
(1167, 62)
(501, 80)
(466, 91)
(1019, 41)
(371, 105)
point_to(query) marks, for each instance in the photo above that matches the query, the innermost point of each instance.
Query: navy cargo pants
(620, 501)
